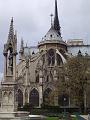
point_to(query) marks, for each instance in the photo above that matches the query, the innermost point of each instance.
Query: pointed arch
(20, 98)
(46, 95)
(51, 57)
(34, 97)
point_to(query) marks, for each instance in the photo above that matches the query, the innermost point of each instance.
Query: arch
(63, 100)
(20, 98)
(34, 97)
(51, 57)
(46, 96)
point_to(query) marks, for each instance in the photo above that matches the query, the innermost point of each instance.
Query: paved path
(81, 117)
(84, 116)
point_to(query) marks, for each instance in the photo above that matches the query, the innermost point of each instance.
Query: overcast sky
(32, 20)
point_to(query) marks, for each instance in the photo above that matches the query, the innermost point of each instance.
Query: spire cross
(51, 15)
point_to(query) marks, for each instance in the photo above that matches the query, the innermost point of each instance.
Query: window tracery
(51, 57)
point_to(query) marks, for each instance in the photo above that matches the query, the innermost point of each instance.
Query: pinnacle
(56, 20)
(11, 31)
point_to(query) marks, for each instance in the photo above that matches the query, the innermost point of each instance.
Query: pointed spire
(56, 20)
(11, 31)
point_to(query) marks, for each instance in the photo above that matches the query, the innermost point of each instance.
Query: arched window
(34, 97)
(20, 98)
(51, 57)
(63, 100)
(46, 96)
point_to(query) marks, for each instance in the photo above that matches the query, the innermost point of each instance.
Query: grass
(52, 118)
(74, 118)
(66, 117)
(57, 118)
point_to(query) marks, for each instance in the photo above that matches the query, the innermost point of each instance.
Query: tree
(73, 80)
(77, 73)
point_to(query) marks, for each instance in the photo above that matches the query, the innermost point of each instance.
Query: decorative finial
(51, 19)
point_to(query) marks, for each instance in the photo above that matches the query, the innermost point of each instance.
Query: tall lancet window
(51, 57)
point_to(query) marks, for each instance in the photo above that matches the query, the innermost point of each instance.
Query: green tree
(73, 80)
(77, 74)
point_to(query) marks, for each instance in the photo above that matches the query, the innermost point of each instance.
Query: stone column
(23, 97)
(56, 100)
(28, 95)
(55, 75)
(40, 88)
(27, 71)
(14, 67)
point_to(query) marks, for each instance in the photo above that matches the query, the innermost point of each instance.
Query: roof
(52, 34)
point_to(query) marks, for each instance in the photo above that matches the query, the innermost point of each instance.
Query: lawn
(74, 118)
(52, 118)
(57, 118)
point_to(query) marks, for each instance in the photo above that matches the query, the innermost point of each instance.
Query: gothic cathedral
(33, 79)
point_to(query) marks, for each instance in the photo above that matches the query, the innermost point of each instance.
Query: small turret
(11, 32)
